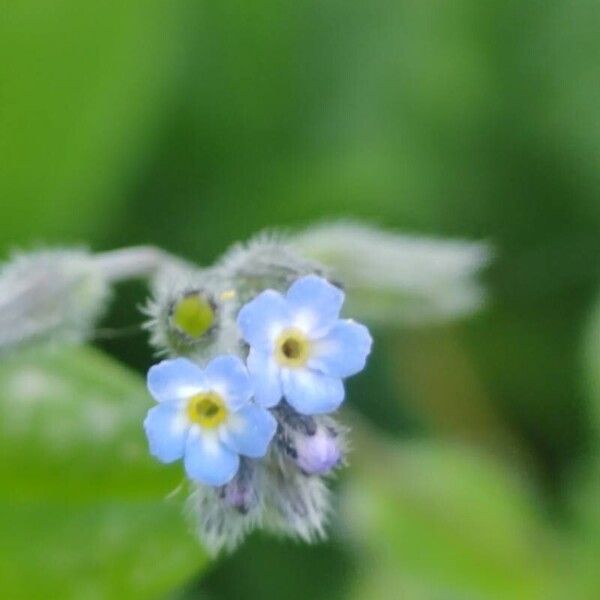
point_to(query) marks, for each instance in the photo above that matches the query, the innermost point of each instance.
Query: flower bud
(192, 315)
(185, 314)
(239, 493)
(317, 454)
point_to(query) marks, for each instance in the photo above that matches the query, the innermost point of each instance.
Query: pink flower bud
(319, 453)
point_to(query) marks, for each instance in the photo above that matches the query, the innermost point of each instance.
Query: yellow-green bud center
(193, 315)
(207, 409)
(292, 348)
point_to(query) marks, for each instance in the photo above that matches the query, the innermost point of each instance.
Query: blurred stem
(136, 262)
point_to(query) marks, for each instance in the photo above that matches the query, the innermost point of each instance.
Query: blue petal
(262, 319)
(264, 372)
(166, 429)
(315, 304)
(250, 430)
(343, 351)
(208, 460)
(175, 379)
(311, 392)
(227, 375)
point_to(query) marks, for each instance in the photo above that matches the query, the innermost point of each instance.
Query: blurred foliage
(463, 524)
(190, 125)
(73, 525)
(82, 89)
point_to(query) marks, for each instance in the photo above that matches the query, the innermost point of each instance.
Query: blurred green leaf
(584, 535)
(584, 493)
(591, 366)
(71, 427)
(84, 511)
(116, 549)
(440, 521)
(80, 90)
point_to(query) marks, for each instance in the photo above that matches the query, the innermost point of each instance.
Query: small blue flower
(205, 417)
(300, 348)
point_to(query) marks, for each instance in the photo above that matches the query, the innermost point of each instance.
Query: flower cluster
(253, 425)
(255, 352)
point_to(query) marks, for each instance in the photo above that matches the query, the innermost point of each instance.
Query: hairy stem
(135, 262)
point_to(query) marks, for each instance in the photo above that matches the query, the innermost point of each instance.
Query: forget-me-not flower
(300, 348)
(205, 417)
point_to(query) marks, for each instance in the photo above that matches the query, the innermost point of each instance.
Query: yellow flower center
(292, 348)
(193, 315)
(207, 409)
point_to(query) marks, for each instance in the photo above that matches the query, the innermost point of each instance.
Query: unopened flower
(317, 454)
(300, 348)
(316, 444)
(205, 417)
(193, 315)
(240, 493)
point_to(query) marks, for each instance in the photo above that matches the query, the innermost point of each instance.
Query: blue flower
(205, 417)
(300, 348)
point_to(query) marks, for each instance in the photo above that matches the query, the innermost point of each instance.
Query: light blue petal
(311, 392)
(264, 372)
(175, 379)
(227, 375)
(343, 351)
(166, 431)
(208, 460)
(262, 319)
(315, 304)
(249, 431)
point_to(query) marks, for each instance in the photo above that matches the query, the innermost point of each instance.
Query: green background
(190, 125)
